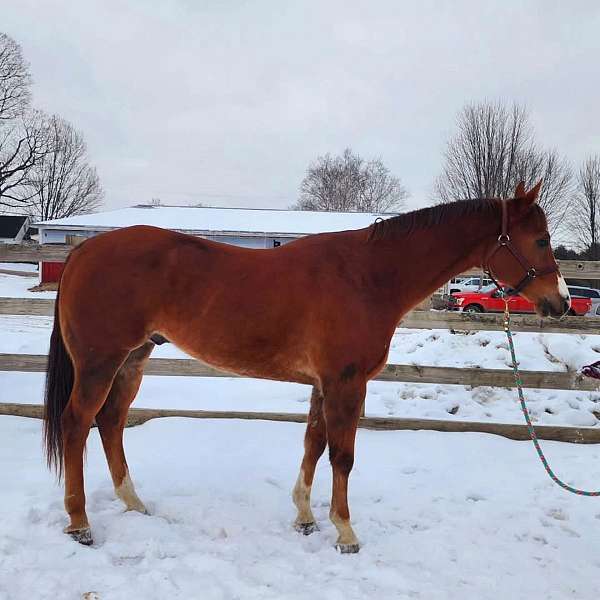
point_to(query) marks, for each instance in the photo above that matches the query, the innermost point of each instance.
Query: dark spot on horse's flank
(348, 372)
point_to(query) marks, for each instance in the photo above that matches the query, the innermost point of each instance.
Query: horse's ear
(526, 199)
(532, 195)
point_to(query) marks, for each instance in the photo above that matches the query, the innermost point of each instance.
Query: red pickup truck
(488, 299)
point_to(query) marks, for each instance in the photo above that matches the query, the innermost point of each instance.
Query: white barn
(249, 227)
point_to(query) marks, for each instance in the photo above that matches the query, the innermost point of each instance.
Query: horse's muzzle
(545, 308)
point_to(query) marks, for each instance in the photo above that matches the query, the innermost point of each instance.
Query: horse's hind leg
(111, 421)
(92, 382)
(315, 441)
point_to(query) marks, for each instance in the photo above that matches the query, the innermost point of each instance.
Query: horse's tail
(59, 383)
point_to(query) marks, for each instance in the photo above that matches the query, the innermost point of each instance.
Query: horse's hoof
(347, 548)
(306, 528)
(83, 536)
(140, 509)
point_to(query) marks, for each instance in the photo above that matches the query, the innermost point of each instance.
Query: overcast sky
(227, 102)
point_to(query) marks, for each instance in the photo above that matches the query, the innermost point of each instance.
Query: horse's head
(522, 256)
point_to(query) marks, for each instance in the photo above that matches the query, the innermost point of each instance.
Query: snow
(13, 286)
(440, 516)
(203, 220)
(29, 267)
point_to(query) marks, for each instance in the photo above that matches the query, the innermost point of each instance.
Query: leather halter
(504, 242)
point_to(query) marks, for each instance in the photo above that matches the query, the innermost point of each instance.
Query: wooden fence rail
(36, 363)
(418, 319)
(428, 319)
(58, 252)
(34, 252)
(137, 416)
(571, 269)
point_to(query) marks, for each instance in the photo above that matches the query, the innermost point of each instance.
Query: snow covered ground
(439, 515)
(12, 286)
(22, 267)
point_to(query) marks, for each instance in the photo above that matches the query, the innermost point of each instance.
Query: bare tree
(63, 183)
(348, 183)
(22, 143)
(492, 151)
(558, 182)
(585, 220)
(15, 79)
(482, 157)
(22, 139)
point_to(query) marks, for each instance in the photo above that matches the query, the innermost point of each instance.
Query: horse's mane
(405, 224)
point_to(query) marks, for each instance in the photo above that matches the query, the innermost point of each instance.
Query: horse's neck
(415, 266)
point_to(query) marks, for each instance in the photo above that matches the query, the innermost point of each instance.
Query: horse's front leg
(342, 406)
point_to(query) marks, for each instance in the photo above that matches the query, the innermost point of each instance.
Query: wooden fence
(391, 373)
(475, 377)
(418, 319)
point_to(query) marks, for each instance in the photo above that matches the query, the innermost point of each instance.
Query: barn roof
(245, 221)
(11, 225)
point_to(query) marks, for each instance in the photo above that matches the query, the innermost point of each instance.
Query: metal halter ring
(532, 273)
(504, 238)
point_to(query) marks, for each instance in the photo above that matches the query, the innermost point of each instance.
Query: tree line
(493, 148)
(44, 167)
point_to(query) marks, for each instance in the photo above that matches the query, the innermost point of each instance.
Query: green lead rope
(527, 416)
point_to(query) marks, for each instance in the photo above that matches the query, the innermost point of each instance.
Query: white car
(469, 284)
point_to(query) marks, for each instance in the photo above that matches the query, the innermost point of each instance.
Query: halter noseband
(504, 242)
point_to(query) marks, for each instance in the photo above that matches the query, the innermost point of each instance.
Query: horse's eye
(543, 243)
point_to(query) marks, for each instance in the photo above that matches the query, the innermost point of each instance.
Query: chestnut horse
(319, 311)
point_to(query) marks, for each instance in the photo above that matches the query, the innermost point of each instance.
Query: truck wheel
(473, 308)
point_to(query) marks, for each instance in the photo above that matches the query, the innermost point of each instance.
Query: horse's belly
(249, 358)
